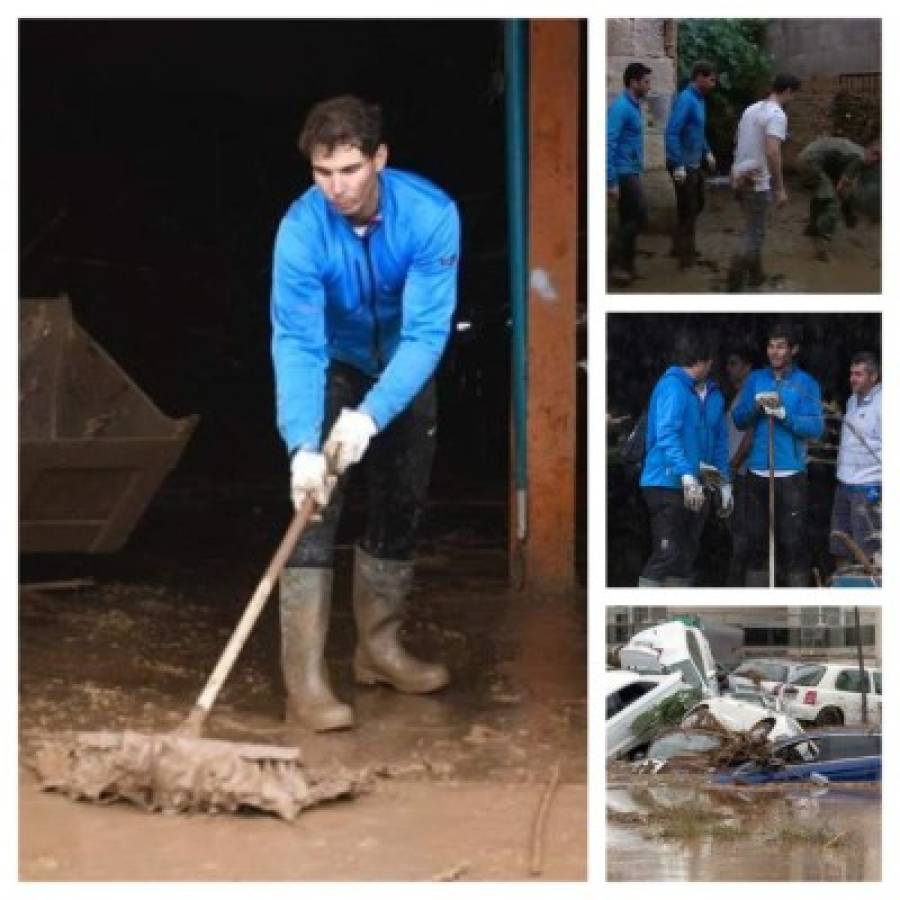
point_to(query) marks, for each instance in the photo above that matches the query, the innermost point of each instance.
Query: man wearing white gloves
(792, 399)
(687, 151)
(363, 295)
(679, 424)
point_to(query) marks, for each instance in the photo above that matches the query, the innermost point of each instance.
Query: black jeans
(397, 466)
(675, 533)
(791, 504)
(690, 198)
(738, 528)
(632, 221)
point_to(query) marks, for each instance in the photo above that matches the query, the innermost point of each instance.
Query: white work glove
(693, 493)
(710, 161)
(679, 174)
(348, 440)
(309, 478)
(769, 403)
(727, 501)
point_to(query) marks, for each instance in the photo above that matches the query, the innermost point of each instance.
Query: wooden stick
(73, 584)
(537, 835)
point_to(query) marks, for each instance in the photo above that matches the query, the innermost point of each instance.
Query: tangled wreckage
(666, 711)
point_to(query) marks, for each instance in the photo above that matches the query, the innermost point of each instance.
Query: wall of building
(791, 631)
(653, 43)
(839, 62)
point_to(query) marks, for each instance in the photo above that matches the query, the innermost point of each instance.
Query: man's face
(737, 369)
(861, 379)
(786, 97)
(780, 353)
(702, 369)
(705, 83)
(641, 86)
(349, 179)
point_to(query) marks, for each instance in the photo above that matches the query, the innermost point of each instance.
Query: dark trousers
(857, 513)
(632, 221)
(738, 528)
(690, 199)
(792, 546)
(675, 534)
(397, 467)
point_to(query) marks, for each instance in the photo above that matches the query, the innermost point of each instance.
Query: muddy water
(785, 834)
(461, 773)
(788, 256)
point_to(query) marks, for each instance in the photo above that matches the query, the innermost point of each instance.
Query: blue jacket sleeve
(298, 336)
(614, 124)
(744, 412)
(429, 299)
(677, 120)
(803, 409)
(669, 423)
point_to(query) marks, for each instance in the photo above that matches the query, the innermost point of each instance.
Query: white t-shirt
(758, 122)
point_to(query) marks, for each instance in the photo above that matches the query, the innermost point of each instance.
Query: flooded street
(788, 257)
(666, 830)
(459, 775)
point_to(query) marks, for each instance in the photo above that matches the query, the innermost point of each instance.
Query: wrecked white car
(673, 647)
(752, 714)
(629, 695)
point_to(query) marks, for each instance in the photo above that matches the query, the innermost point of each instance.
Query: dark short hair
(785, 82)
(341, 121)
(702, 67)
(635, 72)
(868, 359)
(691, 347)
(743, 351)
(781, 328)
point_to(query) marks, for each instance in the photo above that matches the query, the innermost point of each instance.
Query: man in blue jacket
(687, 151)
(624, 164)
(363, 294)
(792, 399)
(684, 429)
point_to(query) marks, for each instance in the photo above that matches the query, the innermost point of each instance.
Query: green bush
(744, 67)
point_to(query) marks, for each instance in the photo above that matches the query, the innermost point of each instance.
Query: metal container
(93, 448)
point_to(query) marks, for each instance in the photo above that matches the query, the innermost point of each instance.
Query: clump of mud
(171, 773)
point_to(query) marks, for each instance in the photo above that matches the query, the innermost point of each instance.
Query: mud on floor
(472, 761)
(788, 255)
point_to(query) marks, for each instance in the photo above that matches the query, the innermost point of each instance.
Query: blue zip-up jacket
(802, 400)
(675, 433)
(714, 447)
(624, 139)
(686, 130)
(382, 303)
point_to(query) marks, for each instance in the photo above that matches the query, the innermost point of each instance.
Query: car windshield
(802, 752)
(767, 671)
(624, 697)
(808, 676)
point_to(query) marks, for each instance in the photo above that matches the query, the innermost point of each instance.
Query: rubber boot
(797, 579)
(305, 608)
(677, 581)
(822, 246)
(757, 578)
(736, 274)
(648, 582)
(380, 589)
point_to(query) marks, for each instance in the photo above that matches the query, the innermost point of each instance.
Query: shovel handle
(771, 502)
(251, 614)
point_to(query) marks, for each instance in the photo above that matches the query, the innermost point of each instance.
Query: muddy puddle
(788, 255)
(691, 831)
(133, 650)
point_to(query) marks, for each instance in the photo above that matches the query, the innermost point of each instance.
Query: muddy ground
(788, 256)
(678, 828)
(464, 770)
